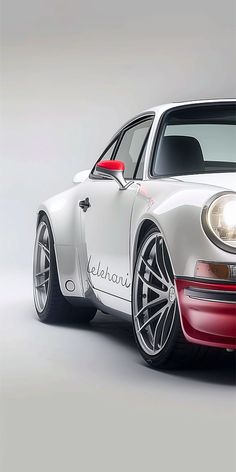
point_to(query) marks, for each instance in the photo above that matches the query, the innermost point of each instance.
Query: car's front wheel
(50, 304)
(155, 311)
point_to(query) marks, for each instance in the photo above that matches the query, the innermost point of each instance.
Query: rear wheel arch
(55, 307)
(40, 215)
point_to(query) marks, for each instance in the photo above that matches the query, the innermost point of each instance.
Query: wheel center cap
(172, 294)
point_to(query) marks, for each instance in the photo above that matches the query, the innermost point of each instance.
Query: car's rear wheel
(50, 304)
(155, 311)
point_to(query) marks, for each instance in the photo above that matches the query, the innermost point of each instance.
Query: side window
(131, 148)
(109, 152)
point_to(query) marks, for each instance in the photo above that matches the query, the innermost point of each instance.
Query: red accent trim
(111, 165)
(206, 322)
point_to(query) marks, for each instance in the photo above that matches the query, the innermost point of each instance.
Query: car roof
(160, 109)
(171, 105)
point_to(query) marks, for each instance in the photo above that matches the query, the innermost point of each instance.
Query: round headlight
(219, 220)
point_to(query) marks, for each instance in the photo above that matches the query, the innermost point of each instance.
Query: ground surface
(75, 399)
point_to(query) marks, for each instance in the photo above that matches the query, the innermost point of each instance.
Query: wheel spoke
(42, 272)
(172, 307)
(42, 283)
(157, 326)
(45, 249)
(158, 313)
(160, 279)
(151, 286)
(151, 304)
(163, 328)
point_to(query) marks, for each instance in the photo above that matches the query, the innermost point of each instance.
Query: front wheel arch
(144, 227)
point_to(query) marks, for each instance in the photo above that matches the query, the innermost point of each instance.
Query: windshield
(197, 139)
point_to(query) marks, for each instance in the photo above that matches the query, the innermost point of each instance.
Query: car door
(106, 221)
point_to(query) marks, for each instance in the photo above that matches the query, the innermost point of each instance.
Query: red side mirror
(114, 170)
(111, 165)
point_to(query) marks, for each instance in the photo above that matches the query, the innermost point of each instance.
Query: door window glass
(131, 147)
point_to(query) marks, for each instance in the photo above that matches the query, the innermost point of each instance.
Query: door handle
(84, 204)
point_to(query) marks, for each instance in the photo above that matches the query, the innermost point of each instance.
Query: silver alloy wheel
(154, 295)
(41, 269)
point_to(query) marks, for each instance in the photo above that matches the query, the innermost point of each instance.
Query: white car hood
(224, 180)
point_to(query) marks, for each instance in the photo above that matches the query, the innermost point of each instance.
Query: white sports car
(150, 232)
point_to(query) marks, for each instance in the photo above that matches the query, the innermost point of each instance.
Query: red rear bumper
(208, 312)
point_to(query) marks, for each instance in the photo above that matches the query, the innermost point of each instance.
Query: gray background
(71, 73)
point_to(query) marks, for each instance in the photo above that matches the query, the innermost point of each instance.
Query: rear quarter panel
(64, 217)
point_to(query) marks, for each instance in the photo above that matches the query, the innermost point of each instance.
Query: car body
(99, 224)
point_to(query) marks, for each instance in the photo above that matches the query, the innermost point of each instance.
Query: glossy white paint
(107, 257)
(81, 176)
(96, 249)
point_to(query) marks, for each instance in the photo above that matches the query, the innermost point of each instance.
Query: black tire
(177, 352)
(57, 309)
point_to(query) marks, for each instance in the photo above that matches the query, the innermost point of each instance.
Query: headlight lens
(219, 221)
